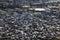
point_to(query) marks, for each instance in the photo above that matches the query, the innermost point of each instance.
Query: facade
(18, 2)
(54, 0)
(25, 0)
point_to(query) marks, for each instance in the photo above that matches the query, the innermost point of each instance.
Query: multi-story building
(54, 0)
(23, 2)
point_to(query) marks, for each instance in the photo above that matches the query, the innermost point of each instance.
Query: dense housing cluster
(16, 24)
(20, 20)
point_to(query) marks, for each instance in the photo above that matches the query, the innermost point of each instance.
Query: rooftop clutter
(29, 25)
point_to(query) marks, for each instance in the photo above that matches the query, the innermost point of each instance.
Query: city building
(54, 0)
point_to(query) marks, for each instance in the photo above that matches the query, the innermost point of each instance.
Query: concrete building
(54, 0)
